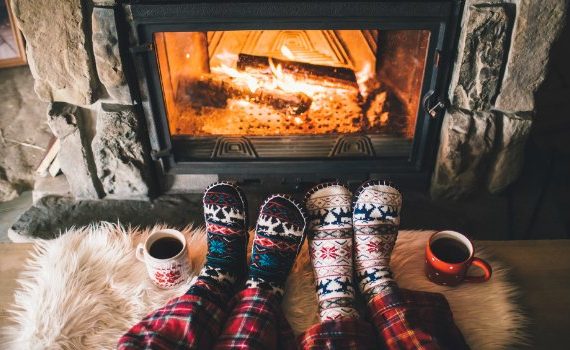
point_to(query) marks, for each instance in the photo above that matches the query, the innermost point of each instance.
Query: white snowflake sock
(330, 243)
(376, 218)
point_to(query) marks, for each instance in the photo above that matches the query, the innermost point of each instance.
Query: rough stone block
(24, 134)
(511, 139)
(58, 49)
(107, 55)
(538, 25)
(75, 157)
(7, 190)
(122, 163)
(485, 52)
(467, 140)
(50, 186)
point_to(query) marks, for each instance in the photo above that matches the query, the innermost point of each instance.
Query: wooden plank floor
(12, 258)
(541, 268)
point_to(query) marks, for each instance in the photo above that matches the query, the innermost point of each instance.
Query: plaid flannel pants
(402, 320)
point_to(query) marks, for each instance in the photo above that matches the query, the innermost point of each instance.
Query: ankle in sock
(279, 234)
(330, 237)
(225, 213)
(376, 217)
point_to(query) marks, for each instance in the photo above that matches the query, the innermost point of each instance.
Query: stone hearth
(81, 67)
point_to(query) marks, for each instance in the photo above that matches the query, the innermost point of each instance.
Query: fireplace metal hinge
(161, 153)
(434, 105)
(144, 48)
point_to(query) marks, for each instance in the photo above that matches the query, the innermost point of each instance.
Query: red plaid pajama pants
(403, 320)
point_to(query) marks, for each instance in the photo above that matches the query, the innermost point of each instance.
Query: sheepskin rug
(84, 289)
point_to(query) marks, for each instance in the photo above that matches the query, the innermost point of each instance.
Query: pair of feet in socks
(279, 234)
(335, 225)
(343, 229)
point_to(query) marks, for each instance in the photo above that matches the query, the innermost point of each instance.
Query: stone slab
(75, 156)
(484, 55)
(537, 26)
(58, 49)
(107, 55)
(511, 140)
(50, 186)
(467, 142)
(123, 165)
(52, 215)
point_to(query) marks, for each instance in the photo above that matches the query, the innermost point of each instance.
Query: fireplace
(167, 96)
(301, 88)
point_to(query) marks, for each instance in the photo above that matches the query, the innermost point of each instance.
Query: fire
(239, 77)
(288, 83)
(362, 78)
(278, 79)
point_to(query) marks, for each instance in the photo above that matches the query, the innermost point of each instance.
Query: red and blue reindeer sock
(376, 218)
(225, 214)
(278, 237)
(330, 234)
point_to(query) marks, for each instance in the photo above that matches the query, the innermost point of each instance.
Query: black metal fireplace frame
(439, 17)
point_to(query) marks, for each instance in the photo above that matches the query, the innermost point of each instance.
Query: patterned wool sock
(278, 238)
(376, 218)
(225, 214)
(330, 242)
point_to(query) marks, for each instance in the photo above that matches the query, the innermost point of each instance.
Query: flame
(288, 83)
(287, 52)
(240, 77)
(279, 79)
(362, 76)
(227, 58)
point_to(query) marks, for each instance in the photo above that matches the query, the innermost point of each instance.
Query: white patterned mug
(165, 256)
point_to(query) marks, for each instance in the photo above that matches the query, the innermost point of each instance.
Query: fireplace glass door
(260, 87)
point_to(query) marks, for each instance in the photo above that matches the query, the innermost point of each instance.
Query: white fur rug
(84, 289)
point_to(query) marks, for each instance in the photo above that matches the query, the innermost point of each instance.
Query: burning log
(214, 92)
(326, 75)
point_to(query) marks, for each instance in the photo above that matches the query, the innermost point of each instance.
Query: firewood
(214, 92)
(51, 153)
(54, 168)
(327, 75)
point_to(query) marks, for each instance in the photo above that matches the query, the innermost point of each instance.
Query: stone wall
(74, 52)
(502, 60)
(73, 49)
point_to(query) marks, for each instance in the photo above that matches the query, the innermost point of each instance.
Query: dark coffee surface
(165, 248)
(450, 250)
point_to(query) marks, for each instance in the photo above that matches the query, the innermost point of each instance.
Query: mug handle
(139, 252)
(483, 265)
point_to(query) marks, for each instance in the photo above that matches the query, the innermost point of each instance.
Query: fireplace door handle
(433, 106)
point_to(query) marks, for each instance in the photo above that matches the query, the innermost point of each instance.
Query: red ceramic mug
(448, 257)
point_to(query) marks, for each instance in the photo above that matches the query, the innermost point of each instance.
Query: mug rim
(172, 232)
(458, 236)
